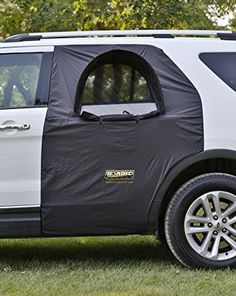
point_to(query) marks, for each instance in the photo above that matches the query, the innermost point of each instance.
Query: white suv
(121, 132)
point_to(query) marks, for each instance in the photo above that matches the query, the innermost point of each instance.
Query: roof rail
(103, 33)
(110, 33)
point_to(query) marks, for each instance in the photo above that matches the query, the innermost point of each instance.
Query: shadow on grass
(97, 250)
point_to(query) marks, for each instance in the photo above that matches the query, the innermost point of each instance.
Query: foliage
(54, 15)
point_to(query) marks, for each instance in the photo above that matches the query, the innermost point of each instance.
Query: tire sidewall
(184, 198)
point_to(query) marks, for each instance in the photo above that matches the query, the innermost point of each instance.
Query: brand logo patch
(119, 176)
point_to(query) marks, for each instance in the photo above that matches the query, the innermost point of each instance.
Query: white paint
(20, 157)
(25, 49)
(20, 151)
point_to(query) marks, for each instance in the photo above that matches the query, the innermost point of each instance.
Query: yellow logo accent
(117, 176)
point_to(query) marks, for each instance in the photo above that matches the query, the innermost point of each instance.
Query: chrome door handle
(18, 127)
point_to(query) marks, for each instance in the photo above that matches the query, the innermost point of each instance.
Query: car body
(132, 162)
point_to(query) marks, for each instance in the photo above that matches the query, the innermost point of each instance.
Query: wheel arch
(217, 160)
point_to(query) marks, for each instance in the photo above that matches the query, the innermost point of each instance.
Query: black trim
(155, 207)
(20, 222)
(43, 88)
(227, 36)
(23, 37)
(22, 210)
(163, 36)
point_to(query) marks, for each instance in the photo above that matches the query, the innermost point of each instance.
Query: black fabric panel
(76, 200)
(69, 64)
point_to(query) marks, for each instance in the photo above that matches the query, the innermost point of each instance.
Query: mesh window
(115, 84)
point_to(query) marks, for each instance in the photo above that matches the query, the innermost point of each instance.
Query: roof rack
(117, 33)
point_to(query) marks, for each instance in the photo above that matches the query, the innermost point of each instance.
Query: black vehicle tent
(77, 151)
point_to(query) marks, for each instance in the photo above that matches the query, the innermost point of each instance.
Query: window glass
(19, 75)
(115, 84)
(223, 65)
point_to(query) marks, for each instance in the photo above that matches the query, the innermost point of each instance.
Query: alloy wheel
(210, 225)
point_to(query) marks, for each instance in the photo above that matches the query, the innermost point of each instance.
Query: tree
(54, 15)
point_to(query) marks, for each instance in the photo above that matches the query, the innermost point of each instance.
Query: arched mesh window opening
(118, 82)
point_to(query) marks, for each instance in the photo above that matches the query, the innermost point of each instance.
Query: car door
(24, 87)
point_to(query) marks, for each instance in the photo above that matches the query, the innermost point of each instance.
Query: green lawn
(97, 266)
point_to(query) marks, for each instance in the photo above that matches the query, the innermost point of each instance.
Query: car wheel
(200, 222)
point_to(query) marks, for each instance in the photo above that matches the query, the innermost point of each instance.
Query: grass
(100, 266)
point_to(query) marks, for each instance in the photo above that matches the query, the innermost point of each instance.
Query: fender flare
(155, 207)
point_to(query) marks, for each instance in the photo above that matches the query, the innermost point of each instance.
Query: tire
(208, 202)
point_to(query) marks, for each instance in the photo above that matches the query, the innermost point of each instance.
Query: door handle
(18, 127)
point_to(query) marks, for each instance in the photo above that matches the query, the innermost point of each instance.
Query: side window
(119, 83)
(223, 65)
(115, 83)
(19, 76)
